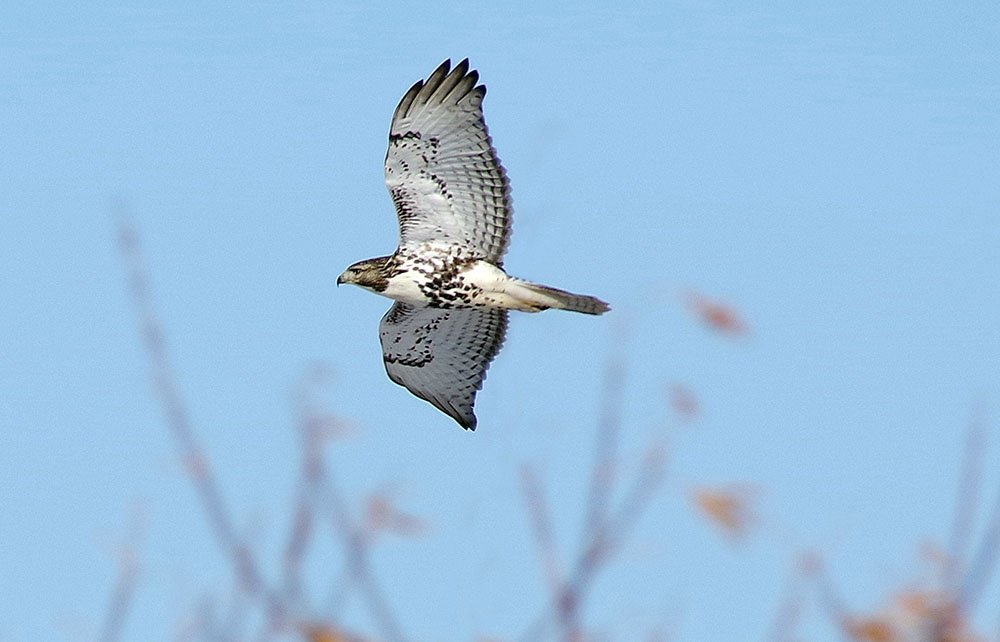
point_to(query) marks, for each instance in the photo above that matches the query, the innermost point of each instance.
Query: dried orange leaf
(715, 314)
(384, 516)
(729, 509)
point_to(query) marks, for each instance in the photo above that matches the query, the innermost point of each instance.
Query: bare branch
(649, 479)
(355, 542)
(790, 608)
(604, 531)
(312, 433)
(124, 591)
(178, 419)
(983, 563)
(967, 498)
(829, 598)
(538, 510)
(605, 460)
(322, 493)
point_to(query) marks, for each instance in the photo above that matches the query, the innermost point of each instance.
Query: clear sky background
(831, 170)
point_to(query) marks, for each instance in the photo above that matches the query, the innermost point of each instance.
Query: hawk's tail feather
(542, 297)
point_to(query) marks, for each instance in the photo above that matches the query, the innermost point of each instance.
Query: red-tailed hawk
(452, 198)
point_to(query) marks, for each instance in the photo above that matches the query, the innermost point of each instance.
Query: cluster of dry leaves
(280, 607)
(936, 611)
(276, 608)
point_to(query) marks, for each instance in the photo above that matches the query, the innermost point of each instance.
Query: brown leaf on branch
(197, 466)
(728, 509)
(718, 316)
(324, 634)
(383, 516)
(871, 630)
(683, 401)
(329, 427)
(329, 633)
(914, 616)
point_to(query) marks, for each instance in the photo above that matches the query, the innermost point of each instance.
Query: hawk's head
(372, 274)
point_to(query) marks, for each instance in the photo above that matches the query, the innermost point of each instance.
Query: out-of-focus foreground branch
(287, 608)
(605, 527)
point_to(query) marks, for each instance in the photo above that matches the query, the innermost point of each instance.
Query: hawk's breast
(444, 278)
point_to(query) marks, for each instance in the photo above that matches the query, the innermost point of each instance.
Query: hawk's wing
(441, 169)
(442, 355)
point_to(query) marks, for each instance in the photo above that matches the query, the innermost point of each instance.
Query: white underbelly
(482, 285)
(486, 276)
(403, 288)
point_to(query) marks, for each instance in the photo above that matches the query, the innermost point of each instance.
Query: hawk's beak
(340, 279)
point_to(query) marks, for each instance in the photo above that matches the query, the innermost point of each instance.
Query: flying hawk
(452, 198)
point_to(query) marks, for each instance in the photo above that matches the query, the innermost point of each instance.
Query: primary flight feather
(452, 199)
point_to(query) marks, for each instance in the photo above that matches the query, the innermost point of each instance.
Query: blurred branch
(605, 543)
(603, 471)
(538, 510)
(829, 598)
(604, 528)
(317, 496)
(790, 608)
(316, 492)
(121, 601)
(355, 542)
(177, 416)
(312, 431)
(198, 624)
(321, 493)
(124, 591)
(648, 480)
(970, 482)
(939, 611)
(982, 565)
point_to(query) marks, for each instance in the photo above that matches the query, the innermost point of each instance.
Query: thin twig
(829, 597)
(178, 419)
(983, 563)
(790, 608)
(604, 529)
(121, 601)
(310, 425)
(605, 544)
(563, 598)
(124, 591)
(605, 453)
(534, 499)
(634, 503)
(602, 478)
(970, 481)
(355, 542)
(324, 495)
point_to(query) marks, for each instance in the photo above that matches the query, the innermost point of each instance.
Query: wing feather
(442, 171)
(442, 355)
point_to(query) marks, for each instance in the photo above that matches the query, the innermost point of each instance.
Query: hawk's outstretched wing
(442, 355)
(441, 169)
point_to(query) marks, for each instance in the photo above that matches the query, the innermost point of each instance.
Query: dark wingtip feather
(466, 418)
(404, 105)
(403, 108)
(467, 421)
(439, 76)
(444, 83)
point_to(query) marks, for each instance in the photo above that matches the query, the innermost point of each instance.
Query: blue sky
(830, 171)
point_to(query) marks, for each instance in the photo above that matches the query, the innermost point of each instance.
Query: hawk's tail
(541, 297)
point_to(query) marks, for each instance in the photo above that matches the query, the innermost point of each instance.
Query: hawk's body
(452, 198)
